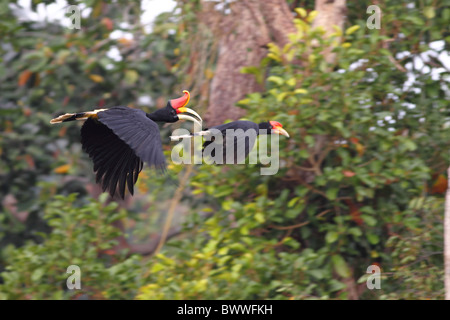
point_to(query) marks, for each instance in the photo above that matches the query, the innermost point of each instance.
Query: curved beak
(188, 110)
(280, 130)
(186, 117)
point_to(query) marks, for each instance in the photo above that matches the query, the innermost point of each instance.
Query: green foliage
(46, 70)
(83, 235)
(417, 252)
(345, 196)
(357, 183)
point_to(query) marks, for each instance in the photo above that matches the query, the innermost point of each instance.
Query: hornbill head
(274, 127)
(175, 110)
(277, 128)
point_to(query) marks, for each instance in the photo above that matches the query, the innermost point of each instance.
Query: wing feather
(140, 133)
(115, 163)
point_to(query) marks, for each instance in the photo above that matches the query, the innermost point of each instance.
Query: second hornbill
(236, 138)
(120, 139)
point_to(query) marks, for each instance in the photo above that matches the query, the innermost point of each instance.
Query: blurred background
(361, 181)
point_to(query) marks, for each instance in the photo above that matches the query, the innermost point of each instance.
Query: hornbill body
(240, 134)
(120, 139)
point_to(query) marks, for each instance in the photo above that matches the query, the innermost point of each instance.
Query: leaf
(355, 213)
(312, 15)
(157, 267)
(340, 266)
(209, 74)
(301, 91)
(201, 285)
(373, 238)
(292, 202)
(331, 236)
(281, 96)
(440, 185)
(275, 79)
(250, 70)
(303, 153)
(409, 145)
(355, 231)
(369, 220)
(337, 31)
(332, 193)
(128, 42)
(291, 82)
(260, 217)
(23, 77)
(352, 29)
(96, 78)
(301, 12)
(336, 285)
(131, 76)
(274, 57)
(62, 169)
(244, 101)
(310, 140)
(429, 12)
(348, 173)
(37, 274)
(317, 273)
(108, 23)
(360, 149)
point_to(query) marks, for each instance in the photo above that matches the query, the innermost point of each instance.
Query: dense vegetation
(361, 179)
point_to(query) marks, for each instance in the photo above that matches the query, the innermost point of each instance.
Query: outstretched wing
(118, 143)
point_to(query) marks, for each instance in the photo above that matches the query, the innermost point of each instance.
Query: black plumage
(118, 142)
(241, 139)
(120, 139)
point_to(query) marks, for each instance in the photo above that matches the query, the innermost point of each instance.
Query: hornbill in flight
(120, 139)
(240, 133)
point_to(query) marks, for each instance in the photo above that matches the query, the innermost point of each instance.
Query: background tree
(362, 180)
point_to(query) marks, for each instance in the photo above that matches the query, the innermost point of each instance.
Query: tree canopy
(361, 180)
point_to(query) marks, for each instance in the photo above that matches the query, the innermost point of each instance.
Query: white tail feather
(75, 116)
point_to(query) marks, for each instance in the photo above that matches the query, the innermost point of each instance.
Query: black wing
(118, 144)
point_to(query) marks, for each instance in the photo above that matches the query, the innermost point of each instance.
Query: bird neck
(153, 116)
(266, 126)
(165, 114)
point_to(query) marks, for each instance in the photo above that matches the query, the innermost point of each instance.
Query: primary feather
(118, 142)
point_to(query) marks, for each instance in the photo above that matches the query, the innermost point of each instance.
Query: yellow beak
(280, 131)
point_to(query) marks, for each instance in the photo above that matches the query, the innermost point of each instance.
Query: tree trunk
(245, 33)
(330, 13)
(447, 240)
(243, 37)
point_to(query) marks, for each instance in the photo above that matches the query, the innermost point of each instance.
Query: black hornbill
(236, 137)
(120, 139)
